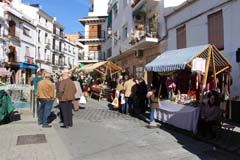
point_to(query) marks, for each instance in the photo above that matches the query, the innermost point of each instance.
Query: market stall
(211, 61)
(104, 68)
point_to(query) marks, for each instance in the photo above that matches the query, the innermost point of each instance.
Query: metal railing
(29, 59)
(14, 35)
(92, 34)
(91, 55)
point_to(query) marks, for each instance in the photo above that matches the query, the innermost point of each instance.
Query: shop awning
(178, 59)
(103, 68)
(28, 66)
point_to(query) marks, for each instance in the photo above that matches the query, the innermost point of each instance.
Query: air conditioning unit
(139, 53)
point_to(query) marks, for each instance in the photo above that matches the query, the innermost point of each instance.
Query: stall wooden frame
(215, 61)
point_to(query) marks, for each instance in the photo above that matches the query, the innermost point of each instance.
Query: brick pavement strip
(54, 149)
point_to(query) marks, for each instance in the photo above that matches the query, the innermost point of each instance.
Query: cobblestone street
(99, 133)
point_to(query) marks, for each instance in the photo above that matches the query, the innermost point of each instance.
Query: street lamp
(109, 31)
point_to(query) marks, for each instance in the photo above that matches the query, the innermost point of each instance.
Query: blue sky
(67, 12)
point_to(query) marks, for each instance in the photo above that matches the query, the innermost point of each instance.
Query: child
(122, 100)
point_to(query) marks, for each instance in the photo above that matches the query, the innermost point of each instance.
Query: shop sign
(198, 65)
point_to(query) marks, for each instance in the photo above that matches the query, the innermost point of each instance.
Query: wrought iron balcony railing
(92, 34)
(91, 56)
(29, 59)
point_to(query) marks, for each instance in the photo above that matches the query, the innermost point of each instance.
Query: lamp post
(109, 31)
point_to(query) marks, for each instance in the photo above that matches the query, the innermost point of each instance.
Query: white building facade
(138, 31)
(94, 34)
(18, 43)
(44, 35)
(57, 47)
(199, 22)
(70, 55)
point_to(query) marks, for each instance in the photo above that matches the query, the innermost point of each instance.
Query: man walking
(67, 91)
(46, 96)
(128, 88)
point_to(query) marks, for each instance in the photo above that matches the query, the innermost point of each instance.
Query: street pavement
(102, 134)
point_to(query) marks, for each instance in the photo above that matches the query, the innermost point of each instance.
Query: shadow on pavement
(226, 140)
(12, 117)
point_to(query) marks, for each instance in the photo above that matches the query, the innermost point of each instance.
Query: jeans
(152, 114)
(123, 108)
(44, 111)
(128, 104)
(169, 94)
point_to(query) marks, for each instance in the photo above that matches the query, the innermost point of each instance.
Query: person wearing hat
(66, 95)
(46, 96)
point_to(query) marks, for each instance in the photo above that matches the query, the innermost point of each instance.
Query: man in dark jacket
(66, 95)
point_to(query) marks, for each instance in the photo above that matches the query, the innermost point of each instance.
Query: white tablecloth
(181, 116)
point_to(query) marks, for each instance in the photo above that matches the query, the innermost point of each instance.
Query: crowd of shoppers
(133, 95)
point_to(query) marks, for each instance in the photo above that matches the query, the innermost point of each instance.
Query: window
(39, 33)
(53, 59)
(139, 71)
(11, 30)
(181, 37)
(124, 32)
(116, 38)
(26, 32)
(45, 54)
(69, 61)
(27, 51)
(39, 53)
(215, 30)
(46, 35)
(46, 22)
(109, 52)
(39, 18)
(0, 29)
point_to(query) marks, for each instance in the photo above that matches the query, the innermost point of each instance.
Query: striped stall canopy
(178, 59)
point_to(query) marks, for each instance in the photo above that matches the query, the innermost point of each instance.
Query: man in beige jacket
(128, 88)
(66, 95)
(46, 96)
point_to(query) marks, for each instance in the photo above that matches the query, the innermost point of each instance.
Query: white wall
(197, 30)
(100, 8)
(28, 41)
(124, 17)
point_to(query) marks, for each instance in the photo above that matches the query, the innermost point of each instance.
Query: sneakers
(152, 124)
(47, 126)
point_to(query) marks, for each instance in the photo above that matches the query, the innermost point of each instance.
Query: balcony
(14, 36)
(47, 45)
(92, 36)
(47, 61)
(56, 49)
(39, 60)
(141, 39)
(29, 60)
(91, 56)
